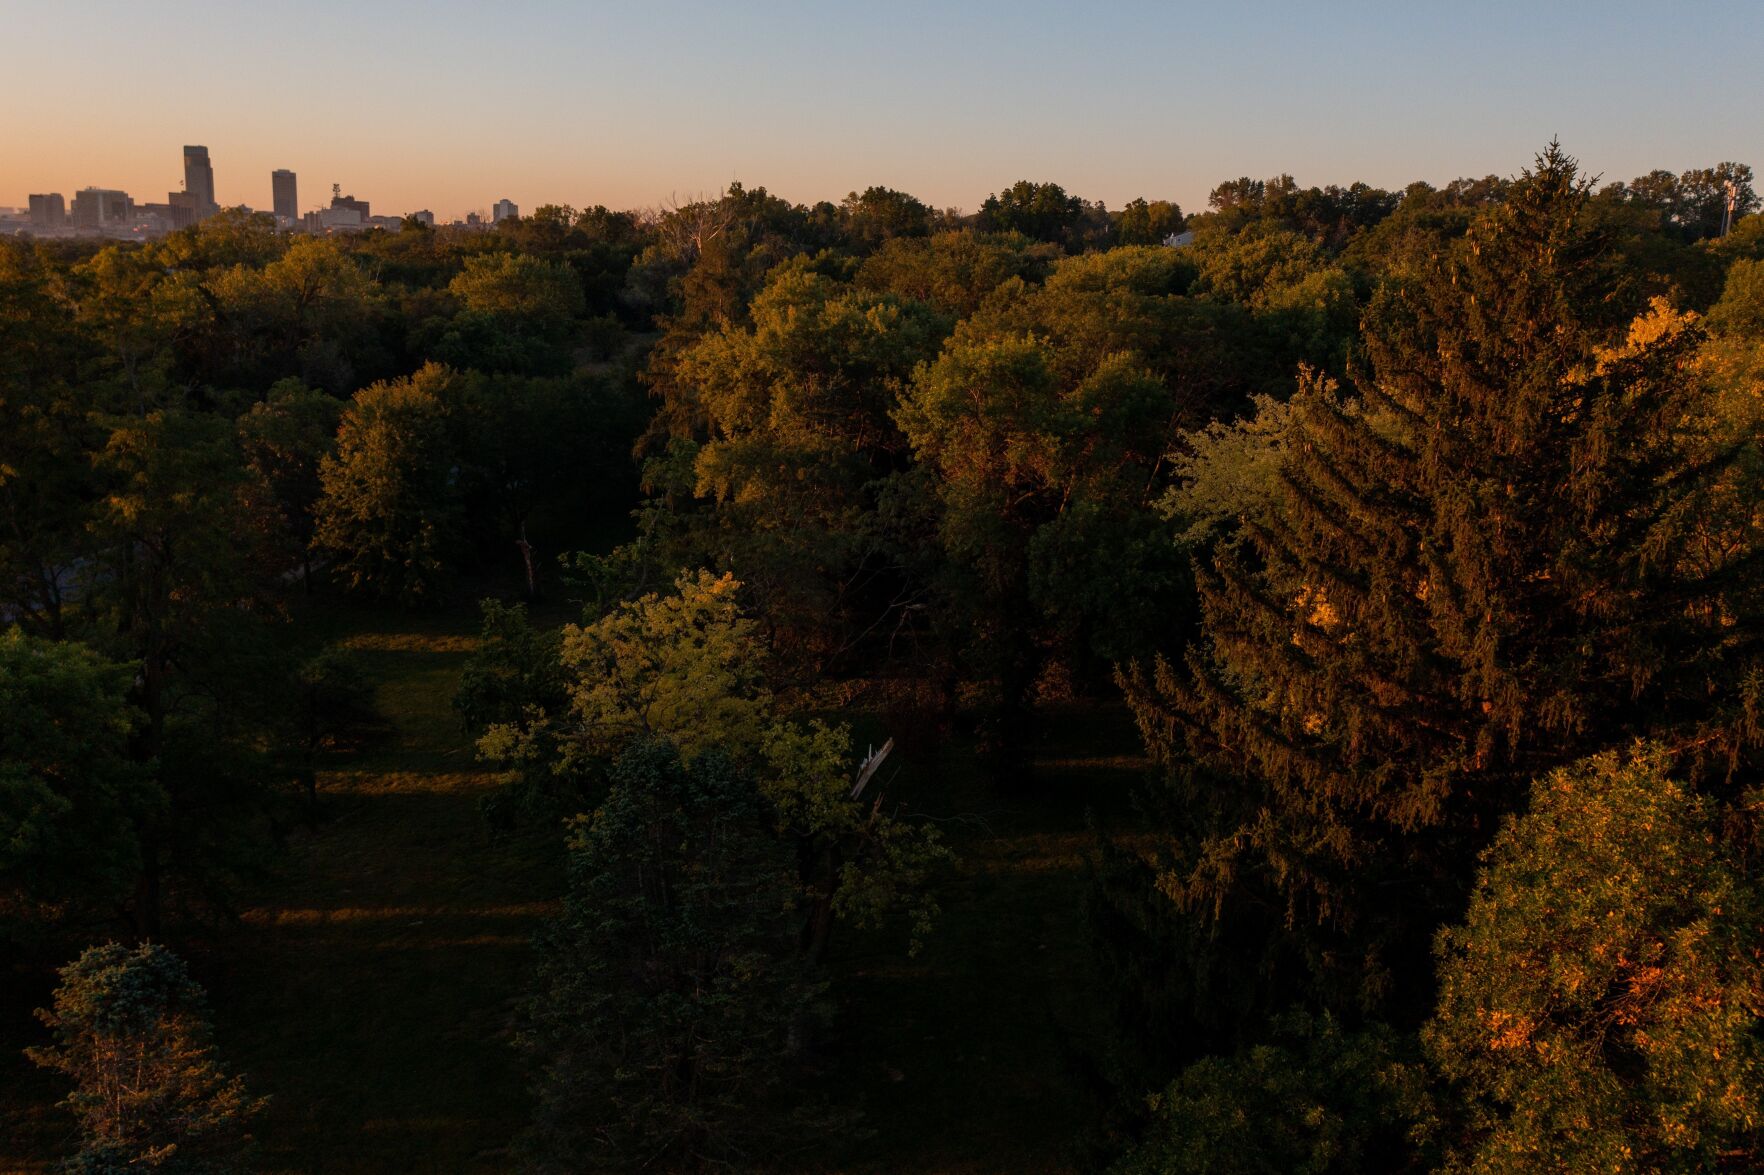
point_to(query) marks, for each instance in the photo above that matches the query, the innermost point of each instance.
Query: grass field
(370, 981)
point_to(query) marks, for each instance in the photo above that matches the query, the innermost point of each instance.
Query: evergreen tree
(150, 1092)
(1525, 539)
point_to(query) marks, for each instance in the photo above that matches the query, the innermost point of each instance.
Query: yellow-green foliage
(685, 667)
(1600, 1005)
(689, 667)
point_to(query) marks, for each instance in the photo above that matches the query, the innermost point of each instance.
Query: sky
(451, 106)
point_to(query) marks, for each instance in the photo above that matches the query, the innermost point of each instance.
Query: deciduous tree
(671, 1001)
(150, 1091)
(1600, 1005)
(389, 511)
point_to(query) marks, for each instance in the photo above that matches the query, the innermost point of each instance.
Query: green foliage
(71, 800)
(1512, 548)
(308, 314)
(283, 439)
(518, 314)
(1733, 357)
(1042, 428)
(1316, 1102)
(332, 707)
(1040, 211)
(954, 271)
(1600, 1005)
(389, 510)
(1741, 308)
(866, 865)
(1304, 302)
(671, 1000)
(1692, 204)
(688, 667)
(515, 668)
(531, 449)
(150, 1092)
(798, 437)
(882, 214)
(1331, 215)
(1148, 223)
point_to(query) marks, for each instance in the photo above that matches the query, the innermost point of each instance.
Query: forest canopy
(1271, 687)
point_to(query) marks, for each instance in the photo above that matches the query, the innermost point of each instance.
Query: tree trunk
(527, 561)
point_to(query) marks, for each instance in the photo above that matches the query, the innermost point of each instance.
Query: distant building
(340, 202)
(100, 207)
(473, 220)
(336, 219)
(199, 181)
(186, 209)
(153, 220)
(424, 217)
(505, 210)
(286, 197)
(179, 211)
(49, 211)
(1179, 240)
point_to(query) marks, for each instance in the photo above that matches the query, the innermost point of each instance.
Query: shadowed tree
(71, 799)
(150, 1092)
(671, 1001)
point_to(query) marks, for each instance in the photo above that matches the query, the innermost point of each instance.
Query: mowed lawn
(371, 983)
(370, 990)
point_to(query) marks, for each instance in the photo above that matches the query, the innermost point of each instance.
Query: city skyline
(114, 212)
(553, 103)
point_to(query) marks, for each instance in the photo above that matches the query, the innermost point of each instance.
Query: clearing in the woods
(370, 981)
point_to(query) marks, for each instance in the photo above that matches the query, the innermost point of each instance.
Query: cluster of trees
(180, 455)
(1419, 530)
(185, 456)
(1480, 633)
(1495, 545)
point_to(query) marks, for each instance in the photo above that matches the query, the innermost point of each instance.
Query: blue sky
(450, 106)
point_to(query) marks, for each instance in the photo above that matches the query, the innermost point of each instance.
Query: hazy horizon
(450, 107)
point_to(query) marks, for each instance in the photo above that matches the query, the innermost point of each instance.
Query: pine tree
(1495, 558)
(150, 1092)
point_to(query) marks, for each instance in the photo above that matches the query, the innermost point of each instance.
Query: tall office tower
(282, 185)
(49, 211)
(199, 179)
(506, 210)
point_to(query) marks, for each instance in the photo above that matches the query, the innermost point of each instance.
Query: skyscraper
(282, 185)
(506, 210)
(199, 179)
